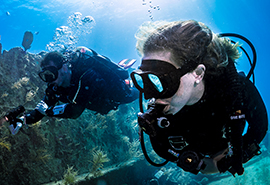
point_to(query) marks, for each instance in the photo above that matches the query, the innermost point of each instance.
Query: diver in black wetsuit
(84, 80)
(201, 104)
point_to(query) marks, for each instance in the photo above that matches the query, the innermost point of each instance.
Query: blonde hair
(190, 42)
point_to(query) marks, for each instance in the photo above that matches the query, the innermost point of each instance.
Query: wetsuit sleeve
(256, 116)
(33, 116)
(68, 110)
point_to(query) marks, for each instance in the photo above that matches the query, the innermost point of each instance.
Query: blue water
(116, 22)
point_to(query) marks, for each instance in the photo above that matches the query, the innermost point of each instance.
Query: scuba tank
(87, 58)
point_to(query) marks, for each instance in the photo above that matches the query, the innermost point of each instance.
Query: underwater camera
(15, 123)
(11, 115)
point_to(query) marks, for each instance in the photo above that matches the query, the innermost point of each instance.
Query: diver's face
(62, 77)
(186, 93)
(59, 81)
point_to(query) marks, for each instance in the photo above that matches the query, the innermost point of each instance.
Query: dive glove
(44, 109)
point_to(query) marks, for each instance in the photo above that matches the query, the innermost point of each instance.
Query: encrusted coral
(20, 82)
(30, 95)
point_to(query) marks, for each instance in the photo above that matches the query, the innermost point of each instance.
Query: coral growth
(70, 176)
(99, 158)
(5, 144)
(134, 150)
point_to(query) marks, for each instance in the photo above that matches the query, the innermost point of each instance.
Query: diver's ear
(199, 73)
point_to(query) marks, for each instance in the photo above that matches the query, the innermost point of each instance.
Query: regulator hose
(254, 61)
(142, 142)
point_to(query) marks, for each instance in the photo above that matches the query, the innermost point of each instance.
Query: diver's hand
(237, 167)
(212, 163)
(56, 110)
(232, 164)
(42, 107)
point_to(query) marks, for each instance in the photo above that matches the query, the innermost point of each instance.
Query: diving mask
(158, 79)
(49, 74)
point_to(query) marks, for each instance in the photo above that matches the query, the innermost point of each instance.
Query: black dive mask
(157, 79)
(49, 74)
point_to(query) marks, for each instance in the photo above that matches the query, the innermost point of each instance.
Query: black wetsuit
(202, 125)
(89, 89)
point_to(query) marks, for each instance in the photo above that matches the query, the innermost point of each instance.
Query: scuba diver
(199, 103)
(80, 80)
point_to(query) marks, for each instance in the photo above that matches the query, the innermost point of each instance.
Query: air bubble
(66, 37)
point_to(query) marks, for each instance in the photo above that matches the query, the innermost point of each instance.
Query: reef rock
(44, 151)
